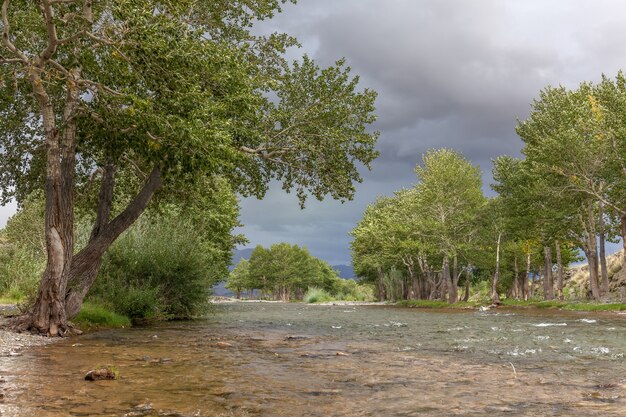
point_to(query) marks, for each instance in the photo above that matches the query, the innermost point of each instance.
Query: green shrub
(157, 270)
(317, 295)
(20, 272)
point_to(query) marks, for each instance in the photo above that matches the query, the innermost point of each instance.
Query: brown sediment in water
(296, 360)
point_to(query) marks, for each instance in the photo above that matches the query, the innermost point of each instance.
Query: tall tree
(173, 92)
(450, 197)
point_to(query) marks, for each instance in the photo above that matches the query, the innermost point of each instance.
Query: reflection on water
(302, 360)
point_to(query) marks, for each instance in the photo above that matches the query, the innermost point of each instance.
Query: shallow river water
(292, 360)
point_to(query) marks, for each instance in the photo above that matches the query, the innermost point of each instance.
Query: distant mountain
(238, 254)
(345, 271)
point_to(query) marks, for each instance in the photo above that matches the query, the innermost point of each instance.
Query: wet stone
(100, 374)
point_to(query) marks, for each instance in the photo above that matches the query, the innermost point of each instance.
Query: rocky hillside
(577, 282)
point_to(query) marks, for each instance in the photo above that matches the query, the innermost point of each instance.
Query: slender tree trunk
(456, 276)
(590, 247)
(517, 284)
(593, 274)
(560, 272)
(381, 285)
(452, 289)
(548, 287)
(623, 234)
(468, 281)
(525, 289)
(495, 297)
(603, 267)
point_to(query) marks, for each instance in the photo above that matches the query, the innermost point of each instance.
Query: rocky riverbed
(11, 343)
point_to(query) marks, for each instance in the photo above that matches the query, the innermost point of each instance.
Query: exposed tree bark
(48, 315)
(602, 236)
(86, 263)
(548, 287)
(495, 297)
(560, 271)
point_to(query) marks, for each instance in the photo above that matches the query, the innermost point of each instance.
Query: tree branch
(6, 41)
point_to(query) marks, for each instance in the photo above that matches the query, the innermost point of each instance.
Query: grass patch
(595, 307)
(94, 316)
(435, 304)
(566, 305)
(9, 300)
(535, 303)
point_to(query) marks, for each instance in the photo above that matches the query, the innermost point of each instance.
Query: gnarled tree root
(24, 324)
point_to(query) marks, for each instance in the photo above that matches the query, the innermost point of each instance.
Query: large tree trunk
(48, 316)
(548, 287)
(560, 272)
(603, 267)
(495, 297)
(86, 263)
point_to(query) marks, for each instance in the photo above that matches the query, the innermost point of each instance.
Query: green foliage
(239, 278)
(285, 272)
(317, 295)
(22, 250)
(96, 316)
(188, 87)
(401, 240)
(158, 268)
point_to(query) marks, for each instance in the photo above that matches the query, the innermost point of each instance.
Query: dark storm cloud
(448, 73)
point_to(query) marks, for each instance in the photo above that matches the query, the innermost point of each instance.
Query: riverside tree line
(567, 193)
(289, 272)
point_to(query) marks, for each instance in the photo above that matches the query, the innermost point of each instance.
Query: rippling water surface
(262, 359)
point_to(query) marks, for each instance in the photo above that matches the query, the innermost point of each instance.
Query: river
(292, 360)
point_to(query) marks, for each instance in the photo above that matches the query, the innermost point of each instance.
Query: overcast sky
(449, 73)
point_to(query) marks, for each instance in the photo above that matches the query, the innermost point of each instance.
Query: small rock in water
(342, 354)
(296, 338)
(606, 386)
(222, 345)
(101, 374)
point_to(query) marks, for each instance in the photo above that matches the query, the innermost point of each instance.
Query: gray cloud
(453, 73)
